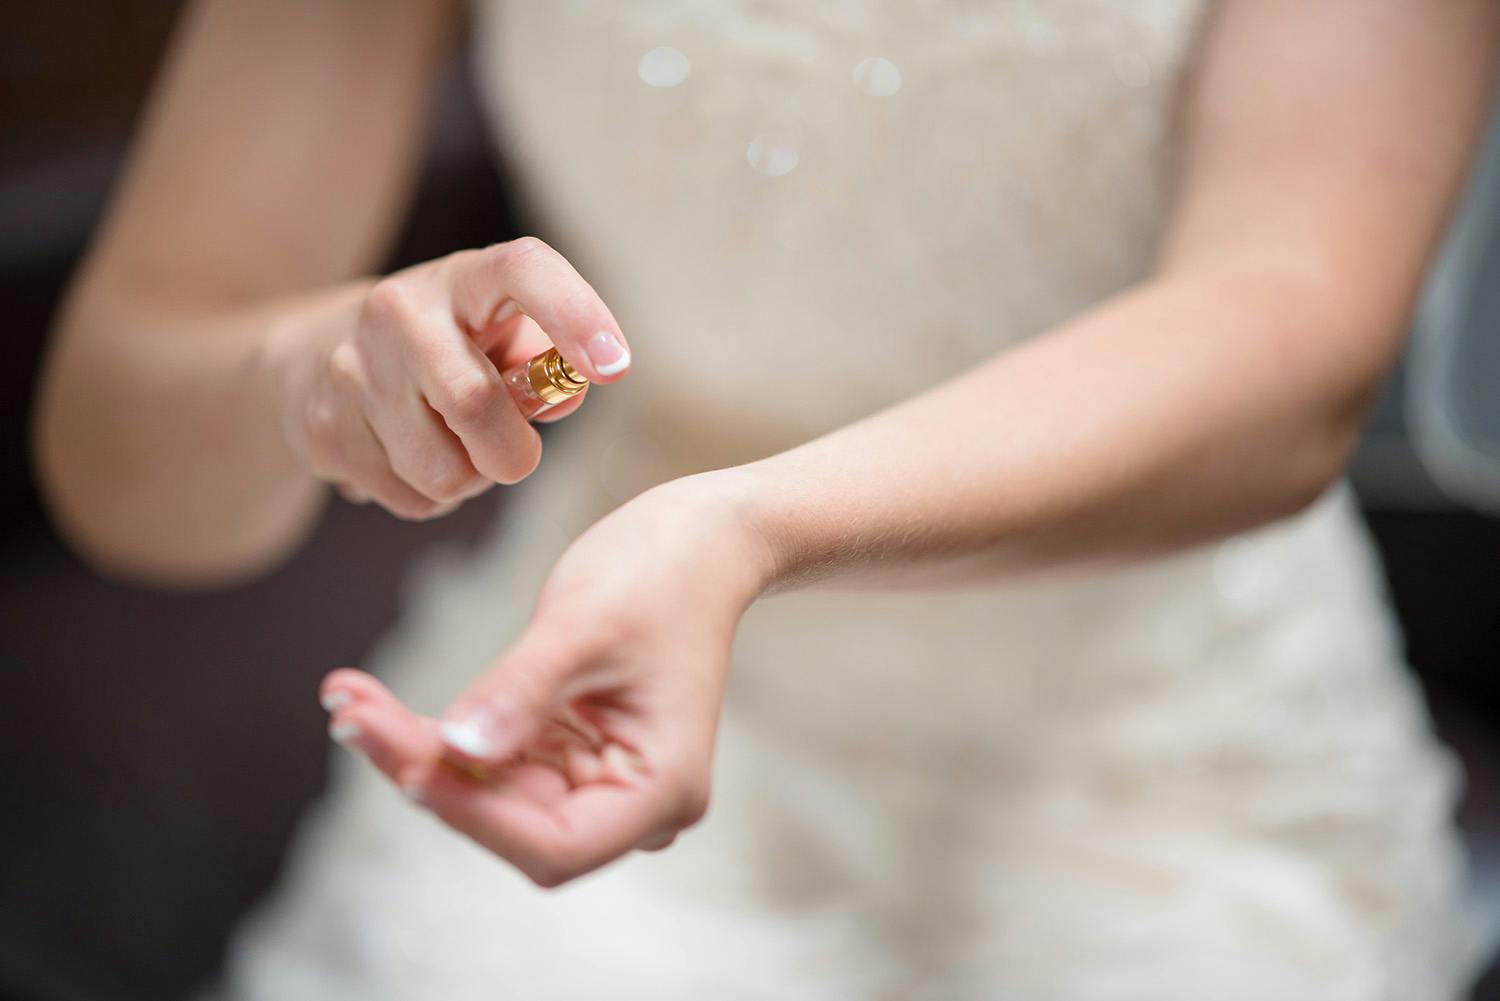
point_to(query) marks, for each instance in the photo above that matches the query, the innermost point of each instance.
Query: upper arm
(1324, 143)
(277, 148)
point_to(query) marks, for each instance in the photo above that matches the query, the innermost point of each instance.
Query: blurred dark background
(158, 748)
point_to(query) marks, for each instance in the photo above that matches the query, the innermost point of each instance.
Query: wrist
(719, 511)
(777, 504)
(293, 342)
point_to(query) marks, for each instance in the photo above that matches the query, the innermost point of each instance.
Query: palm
(575, 782)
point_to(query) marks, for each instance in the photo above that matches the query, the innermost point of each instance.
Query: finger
(422, 450)
(366, 715)
(370, 469)
(345, 685)
(351, 454)
(541, 784)
(503, 711)
(409, 344)
(581, 765)
(462, 385)
(387, 733)
(525, 340)
(547, 289)
(510, 337)
(550, 843)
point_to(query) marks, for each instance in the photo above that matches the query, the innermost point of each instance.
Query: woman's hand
(397, 397)
(594, 735)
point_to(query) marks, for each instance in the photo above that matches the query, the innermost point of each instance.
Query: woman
(1124, 760)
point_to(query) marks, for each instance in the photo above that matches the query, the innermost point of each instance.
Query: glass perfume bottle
(541, 383)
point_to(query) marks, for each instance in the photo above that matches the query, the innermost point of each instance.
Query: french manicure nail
(471, 735)
(345, 733)
(608, 354)
(335, 700)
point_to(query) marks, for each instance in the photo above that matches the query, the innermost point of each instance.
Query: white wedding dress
(1206, 777)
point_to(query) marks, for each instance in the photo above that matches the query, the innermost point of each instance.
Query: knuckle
(518, 462)
(388, 303)
(411, 510)
(446, 481)
(435, 476)
(469, 397)
(321, 423)
(521, 254)
(580, 303)
(524, 249)
(346, 366)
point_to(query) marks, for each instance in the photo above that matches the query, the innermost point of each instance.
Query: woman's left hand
(594, 735)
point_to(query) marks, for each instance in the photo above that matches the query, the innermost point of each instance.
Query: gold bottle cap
(552, 378)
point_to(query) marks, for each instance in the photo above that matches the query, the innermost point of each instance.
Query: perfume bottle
(542, 383)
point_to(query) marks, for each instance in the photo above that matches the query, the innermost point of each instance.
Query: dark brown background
(158, 748)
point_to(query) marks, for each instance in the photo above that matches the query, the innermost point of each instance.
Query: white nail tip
(415, 794)
(620, 364)
(335, 700)
(468, 737)
(344, 732)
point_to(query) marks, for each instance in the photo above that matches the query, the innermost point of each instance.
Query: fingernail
(345, 733)
(415, 793)
(472, 735)
(607, 353)
(335, 700)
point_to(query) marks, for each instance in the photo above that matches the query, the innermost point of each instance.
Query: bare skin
(1324, 146)
(222, 356)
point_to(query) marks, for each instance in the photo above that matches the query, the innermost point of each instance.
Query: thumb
(495, 719)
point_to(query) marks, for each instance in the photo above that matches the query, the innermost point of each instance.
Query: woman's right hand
(396, 396)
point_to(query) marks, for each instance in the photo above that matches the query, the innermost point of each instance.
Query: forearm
(1182, 410)
(274, 160)
(158, 436)
(1220, 395)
